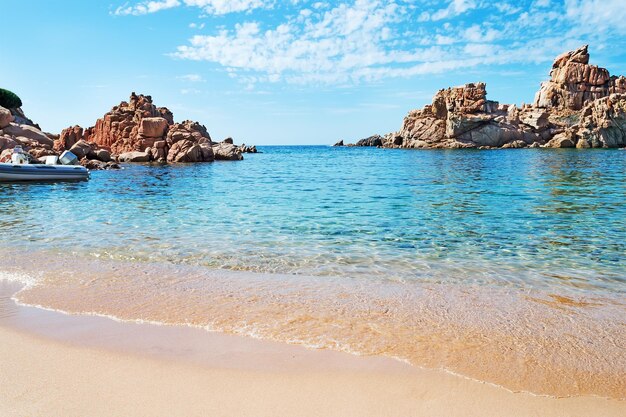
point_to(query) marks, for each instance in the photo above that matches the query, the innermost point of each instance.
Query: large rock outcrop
(581, 106)
(574, 82)
(133, 131)
(131, 126)
(138, 131)
(462, 117)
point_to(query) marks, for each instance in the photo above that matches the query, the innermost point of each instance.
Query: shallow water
(506, 266)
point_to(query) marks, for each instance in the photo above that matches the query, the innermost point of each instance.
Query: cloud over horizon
(351, 42)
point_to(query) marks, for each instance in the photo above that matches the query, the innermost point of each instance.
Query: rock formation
(14, 131)
(39, 144)
(131, 126)
(243, 148)
(226, 151)
(138, 131)
(187, 142)
(133, 131)
(580, 106)
(573, 82)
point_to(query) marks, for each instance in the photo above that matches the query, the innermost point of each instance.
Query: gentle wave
(545, 343)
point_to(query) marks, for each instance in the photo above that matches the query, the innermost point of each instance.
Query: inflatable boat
(19, 169)
(28, 172)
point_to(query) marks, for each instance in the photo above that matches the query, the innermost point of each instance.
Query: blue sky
(289, 72)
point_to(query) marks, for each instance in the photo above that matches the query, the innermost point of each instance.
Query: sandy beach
(72, 365)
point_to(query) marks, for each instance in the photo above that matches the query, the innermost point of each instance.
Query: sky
(290, 72)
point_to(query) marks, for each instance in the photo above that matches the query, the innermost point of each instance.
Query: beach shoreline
(58, 364)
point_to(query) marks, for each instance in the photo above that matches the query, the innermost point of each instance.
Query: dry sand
(53, 364)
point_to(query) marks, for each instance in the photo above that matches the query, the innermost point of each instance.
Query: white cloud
(216, 7)
(193, 78)
(335, 45)
(228, 6)
(455, 8)
(475, 33)
(353, 41)
(146, 7)
(597, 15)
(187, 91)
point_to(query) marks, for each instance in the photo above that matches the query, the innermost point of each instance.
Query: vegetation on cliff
(9, 99)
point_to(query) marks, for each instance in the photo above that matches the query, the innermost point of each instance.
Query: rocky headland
(133, 131)
(581, 106)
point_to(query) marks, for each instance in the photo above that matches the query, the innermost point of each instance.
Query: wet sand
(558, 344)
(73, 365)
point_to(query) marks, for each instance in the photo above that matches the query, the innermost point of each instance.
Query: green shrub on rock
(9, 100)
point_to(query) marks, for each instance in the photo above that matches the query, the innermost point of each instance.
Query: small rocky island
(581, 106)
(133, 131)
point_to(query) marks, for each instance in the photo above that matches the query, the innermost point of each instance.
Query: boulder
(135, 156)
(340, 143)
(562, 140)
(5, 117)
(375, 140)
(243, 148)
(188, 141)
(583, 144)
(224, 151)
(535, 118)
(516, 144)
(82, 150)
(187, 130)
(460, 123)
(29, 132)
(603, 122)
(190, 151)
(7, 143)
(103, 155)
(492, 135)
(68, 138)
(96, 165)
(154, 127)
(41, 152)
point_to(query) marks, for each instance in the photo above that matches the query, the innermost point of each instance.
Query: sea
(505, 266)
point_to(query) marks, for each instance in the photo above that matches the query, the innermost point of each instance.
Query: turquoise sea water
(526, 218)
(506, 266)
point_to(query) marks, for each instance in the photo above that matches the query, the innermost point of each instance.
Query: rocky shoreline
(133, 131)
(581, 106)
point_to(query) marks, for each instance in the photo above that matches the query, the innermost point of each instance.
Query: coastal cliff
(133, 131)
(581, 106)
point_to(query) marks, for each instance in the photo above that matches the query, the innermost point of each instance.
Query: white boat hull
(27, 172)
